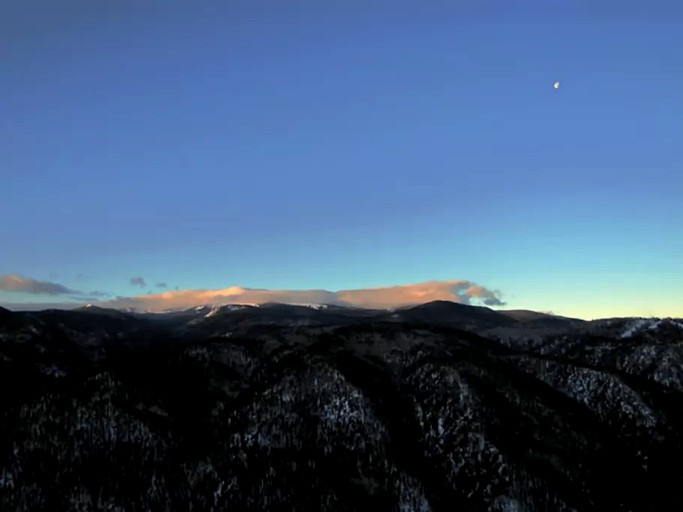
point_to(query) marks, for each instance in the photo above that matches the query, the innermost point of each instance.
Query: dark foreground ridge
(439, 407)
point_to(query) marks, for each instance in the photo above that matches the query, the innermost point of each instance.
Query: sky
(153, 148)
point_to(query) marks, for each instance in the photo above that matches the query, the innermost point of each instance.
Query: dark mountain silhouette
(525, 315)
(451, 314)
(534, 319)
(285, 407)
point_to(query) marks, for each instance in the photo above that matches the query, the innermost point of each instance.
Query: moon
(556, 85)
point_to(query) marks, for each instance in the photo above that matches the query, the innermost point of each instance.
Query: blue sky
(347, 145)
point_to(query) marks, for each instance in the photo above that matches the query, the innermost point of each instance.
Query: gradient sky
(342, 145)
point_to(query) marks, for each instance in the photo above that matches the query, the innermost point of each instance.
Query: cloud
(138, 281)
(90, 297)
(15, 283)
(20, 284)
(464, 292)
(99, 294)
(488, 297)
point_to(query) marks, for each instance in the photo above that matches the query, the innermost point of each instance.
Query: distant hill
(451, 314)
(535, 319)
(524, 315)
(100, 311)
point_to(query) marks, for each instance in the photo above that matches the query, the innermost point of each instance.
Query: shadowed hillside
(283, 407)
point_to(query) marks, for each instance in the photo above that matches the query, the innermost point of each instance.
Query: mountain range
(434, 407)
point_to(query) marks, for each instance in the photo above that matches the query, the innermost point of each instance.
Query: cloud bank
(464, 292)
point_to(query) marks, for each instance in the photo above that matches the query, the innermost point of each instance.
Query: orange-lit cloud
(393, 296)
(388, 297)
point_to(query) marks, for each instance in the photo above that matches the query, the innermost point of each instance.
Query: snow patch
(213, 311)
(639, 325)
(312, 306)
(235, 307)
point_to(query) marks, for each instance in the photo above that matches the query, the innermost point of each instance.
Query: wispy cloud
(16, 283)
(90, 297)
(21, 284)
(138, 281)
(465, 292)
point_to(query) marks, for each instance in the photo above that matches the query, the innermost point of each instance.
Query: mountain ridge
(276, 407)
